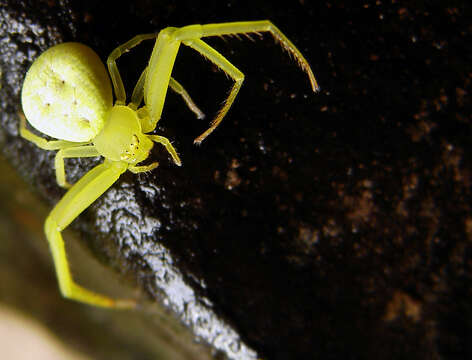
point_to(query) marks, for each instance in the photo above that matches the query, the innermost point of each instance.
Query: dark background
(327, 226)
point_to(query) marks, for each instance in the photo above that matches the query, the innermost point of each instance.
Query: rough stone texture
(323, 227)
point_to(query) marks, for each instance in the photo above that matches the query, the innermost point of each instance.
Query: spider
(67, 95)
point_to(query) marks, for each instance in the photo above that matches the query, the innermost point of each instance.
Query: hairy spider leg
(221, 62)
(89, 188)
(138, 92)
(71, 152)
(166, 48)
(246, 27)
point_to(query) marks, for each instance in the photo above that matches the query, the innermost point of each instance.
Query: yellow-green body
(67, 95)
(56, 93)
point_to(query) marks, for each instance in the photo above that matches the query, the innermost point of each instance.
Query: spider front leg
(245, 28)
(190, 36)
(90, 187)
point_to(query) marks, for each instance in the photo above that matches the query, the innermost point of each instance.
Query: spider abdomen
(67, 93)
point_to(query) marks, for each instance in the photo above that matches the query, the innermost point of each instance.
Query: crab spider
(67, 95)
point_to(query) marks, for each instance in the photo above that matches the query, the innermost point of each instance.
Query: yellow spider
(67, 95)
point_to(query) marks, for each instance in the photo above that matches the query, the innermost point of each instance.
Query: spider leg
(113, 69)
(158, 76)
(246, 27)
(91, 186)
(166, 48)
(67, 149)
(220, 61)
(43, 143)
(70, 152)
(160, 67)
(169, 147)
(138, 94)
(178, 88)
(136, 169)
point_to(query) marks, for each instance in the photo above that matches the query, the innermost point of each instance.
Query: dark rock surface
(334, 226)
